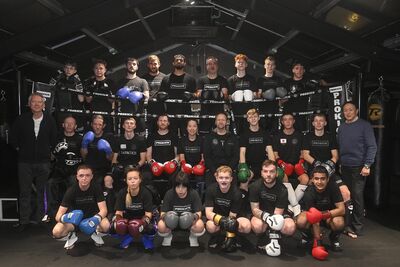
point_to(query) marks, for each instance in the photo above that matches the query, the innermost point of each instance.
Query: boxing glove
(316, 163)
(287, 167)
(171, 219)
(280, 174)
(199, 169)
(299, 167)
(186, 168)
(170, 166)
(269, 94)
(330, 167)
(103, 145)
(162, 96)
(281, 91)
(121, 226)
(156, 168)
(87, 139)
(313, 215)
(135, 227)
(74, 217)
(123, 93)
(318, 251)
(275, 222)
(186, 220)
(187, 96)
(135, 97)
(89, 225)
(243, 172)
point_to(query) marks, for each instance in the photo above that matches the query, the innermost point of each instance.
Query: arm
(307, 157)
(102, 209)
(242, 156)
(210, 213)
(142, 158)
(149, 153)
(335, 155)
(339, 210)
(255, 209)
(61, 211)
(270, 153)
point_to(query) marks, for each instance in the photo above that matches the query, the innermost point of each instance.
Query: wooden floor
(380, 246)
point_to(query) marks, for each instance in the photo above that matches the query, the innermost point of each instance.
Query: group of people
(270, 183)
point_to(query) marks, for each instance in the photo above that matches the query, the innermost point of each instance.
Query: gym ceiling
(335, 38)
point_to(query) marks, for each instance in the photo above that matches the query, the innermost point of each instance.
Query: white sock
(291, 194)
(300, 191)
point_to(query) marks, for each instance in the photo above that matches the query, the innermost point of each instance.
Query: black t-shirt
(322, 201)
(76, 199)
(191, 149)
(154, 82)
(255, 144)
(211, 86)
(265, 83)
(288, 146)
(129, 150)
(172, 202)
(135, 84)
(247, 82)
(320, 146)
(223, 203)
(141, 203)
(98, 159)
(63, 97)
(269, 198)
(67, 153)
(175, 85)
(162, 146)
(221, 150)
(100, 90)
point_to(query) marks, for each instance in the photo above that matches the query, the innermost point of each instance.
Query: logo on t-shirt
(283, 141)
(162, 142)
(268, 196)
(179, 86)
(223, 202)
(256, 140)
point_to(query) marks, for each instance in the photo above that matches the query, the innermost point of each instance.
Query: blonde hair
(153, 57)
(251, 112)
(224, 168)
(128, 197)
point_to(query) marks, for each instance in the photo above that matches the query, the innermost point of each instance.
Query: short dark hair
(99, 61)
(319, 169)
(71, 63)
(132, 59)
(84, 167)
(269, 162)
(182, 179)
(320, 114)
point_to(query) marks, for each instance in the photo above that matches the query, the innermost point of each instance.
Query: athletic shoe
(214, 241)
(335, 244)
(98, 240)
(71, 240)
(126, 241)
(167, 240)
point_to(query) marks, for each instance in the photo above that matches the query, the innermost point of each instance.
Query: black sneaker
(334, 239)
(305, 240)
(215, 241)
(262, 241)
(20, 227)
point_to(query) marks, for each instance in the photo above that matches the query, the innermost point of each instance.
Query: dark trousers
(356, 184)
(28, 174)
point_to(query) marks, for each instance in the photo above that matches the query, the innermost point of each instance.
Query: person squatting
(134, 179)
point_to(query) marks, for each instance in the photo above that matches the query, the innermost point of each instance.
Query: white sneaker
(193, 240)
(295, 209)
(71, 240)
(167, 240)
(98, 241)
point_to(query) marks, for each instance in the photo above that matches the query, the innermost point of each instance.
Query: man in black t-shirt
(97, 90)
(179, 85)
(181, 208)
(269, 200)
(153, 77)
(223, 206)
(266, 88)
(162, 153)
(242, 88)
(287, 150)
(322, 204)
(97, 149)
(130, 150)
(220, 148)
(83, 206)
(132, 83)
(68, 157)
(211, 87)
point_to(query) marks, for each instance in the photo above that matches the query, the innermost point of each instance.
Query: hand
(365, 171)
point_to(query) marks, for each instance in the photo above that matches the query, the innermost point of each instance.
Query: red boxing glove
(135, 227)
(299, 167)
(121, 226)
(318, 251)
(157, 168)
(287, 167)
(186, 168)
(315, 216)
(199, 169)
(170, 166)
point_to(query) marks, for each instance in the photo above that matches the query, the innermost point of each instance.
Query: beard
(131, 71)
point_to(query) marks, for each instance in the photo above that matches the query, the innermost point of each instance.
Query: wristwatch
(367, 166)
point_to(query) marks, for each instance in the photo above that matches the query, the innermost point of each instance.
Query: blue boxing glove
(89, 225)
(87, 139)
(104, 146)
(123, 92)
(74, 217)
(135, 96)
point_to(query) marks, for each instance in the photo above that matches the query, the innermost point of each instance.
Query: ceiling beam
(325, 32)
(145, 24)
